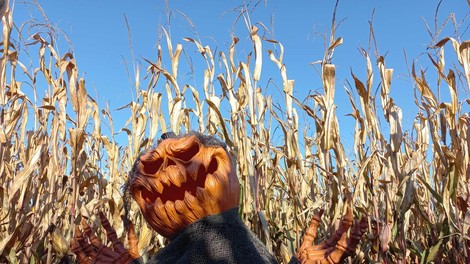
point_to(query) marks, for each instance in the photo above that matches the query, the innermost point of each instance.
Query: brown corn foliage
(411, 184)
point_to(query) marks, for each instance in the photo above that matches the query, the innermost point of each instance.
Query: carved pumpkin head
(184, 179)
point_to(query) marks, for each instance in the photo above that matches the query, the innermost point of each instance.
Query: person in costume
(188, 191)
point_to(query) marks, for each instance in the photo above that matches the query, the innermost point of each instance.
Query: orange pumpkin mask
(184, 179)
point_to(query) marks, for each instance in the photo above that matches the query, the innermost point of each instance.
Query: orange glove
(89, 248)
(334, 249)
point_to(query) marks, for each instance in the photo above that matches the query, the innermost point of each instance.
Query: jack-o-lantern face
(183, 180)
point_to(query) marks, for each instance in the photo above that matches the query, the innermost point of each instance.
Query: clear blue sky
(98, 32)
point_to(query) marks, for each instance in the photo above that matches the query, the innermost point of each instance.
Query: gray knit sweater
(221, 238)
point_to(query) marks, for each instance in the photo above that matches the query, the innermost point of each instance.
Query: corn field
(412, 183)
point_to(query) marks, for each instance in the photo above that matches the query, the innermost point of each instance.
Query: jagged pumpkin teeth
(159, 202)
(159, 209)
(193, 204)
(183, 209)
(206, 200)
(188, 198)
(209, 203)
(176, 178)
(201, 194)
(151, 215)
(156, 217)
(158, 186)
(165, 179)
(213, 187)
(172, 214)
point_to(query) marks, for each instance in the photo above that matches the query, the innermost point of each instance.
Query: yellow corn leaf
(25, 174)
(396, 134)
(258, 53)
(328, 78)
(462, 51)
(175, 60)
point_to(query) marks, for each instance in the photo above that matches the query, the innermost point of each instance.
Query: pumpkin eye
(187, 154)
(151, 167)
(213, 165)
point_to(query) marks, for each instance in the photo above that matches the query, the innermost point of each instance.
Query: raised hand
(333, 250)
(89, 248)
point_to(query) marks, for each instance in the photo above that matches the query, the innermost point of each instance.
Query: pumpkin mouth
(172, 184)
